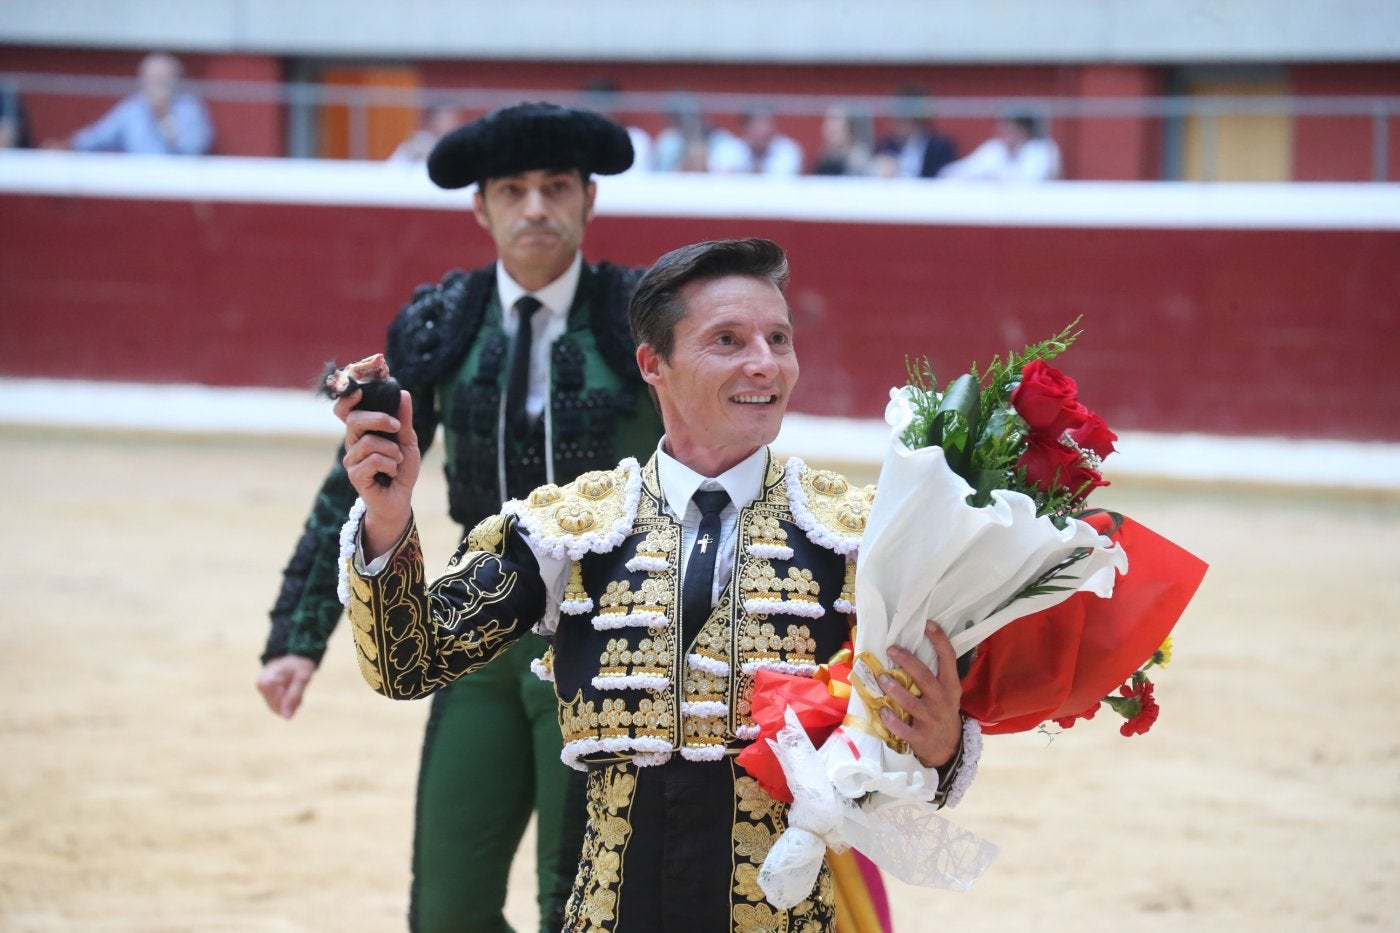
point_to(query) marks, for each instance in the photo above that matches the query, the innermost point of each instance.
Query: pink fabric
(876, 886)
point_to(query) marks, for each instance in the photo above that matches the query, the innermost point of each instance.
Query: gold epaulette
(593, 514)
(826, 506)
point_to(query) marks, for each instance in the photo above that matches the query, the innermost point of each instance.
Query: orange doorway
(364, 130)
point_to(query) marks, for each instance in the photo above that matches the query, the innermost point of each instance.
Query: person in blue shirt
(159, 119)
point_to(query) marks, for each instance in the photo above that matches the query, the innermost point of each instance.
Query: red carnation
(1066, 721)
(1137, 706)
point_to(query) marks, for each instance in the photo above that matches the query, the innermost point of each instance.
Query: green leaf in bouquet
(984, 483)
(1046, 582)
(955, 423)
(998, 375)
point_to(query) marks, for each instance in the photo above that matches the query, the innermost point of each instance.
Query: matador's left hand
(935, 723)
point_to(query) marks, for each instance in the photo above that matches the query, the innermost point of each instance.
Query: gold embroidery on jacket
(409, 643)
(489, 536)
(835, 504)
(758, 821)
(592, 905)
(715, 688)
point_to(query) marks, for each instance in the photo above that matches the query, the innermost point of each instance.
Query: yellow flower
(1163, 656)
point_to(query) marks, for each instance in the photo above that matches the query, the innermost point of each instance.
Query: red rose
(1053, 467)
(1048, 399)
(1094, 435)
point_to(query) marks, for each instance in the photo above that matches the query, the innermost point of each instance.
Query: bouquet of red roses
(978, 522)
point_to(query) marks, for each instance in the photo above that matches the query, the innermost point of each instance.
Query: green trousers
(490, 758)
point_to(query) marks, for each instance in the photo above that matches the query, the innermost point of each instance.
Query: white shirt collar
(557, 297)
(743, 481)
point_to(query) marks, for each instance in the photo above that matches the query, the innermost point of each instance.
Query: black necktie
(518, 379)
(700, 568)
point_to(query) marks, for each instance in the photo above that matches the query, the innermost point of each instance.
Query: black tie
(518, 380)
(700, 568)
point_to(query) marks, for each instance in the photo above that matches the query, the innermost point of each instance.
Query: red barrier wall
(1254, 332)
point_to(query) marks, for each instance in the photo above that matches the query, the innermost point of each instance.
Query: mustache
(538, 226)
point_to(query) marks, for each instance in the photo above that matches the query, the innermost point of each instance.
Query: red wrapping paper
(1063, 660)
(818, 711)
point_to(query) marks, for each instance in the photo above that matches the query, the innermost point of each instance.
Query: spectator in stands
(1020, 151)
(14, 128)
(846, 148)
(684, 145)
(159, 119)
(759, 149)
(438, 121)
(914, 149)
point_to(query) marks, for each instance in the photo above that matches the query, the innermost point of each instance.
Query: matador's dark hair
(656, 306)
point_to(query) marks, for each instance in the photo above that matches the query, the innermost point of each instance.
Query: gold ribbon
(875, 725)
(855, 906)
(837, 688)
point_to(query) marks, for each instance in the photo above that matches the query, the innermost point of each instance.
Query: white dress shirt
(679, 483)
(743, 482)
(550, 323)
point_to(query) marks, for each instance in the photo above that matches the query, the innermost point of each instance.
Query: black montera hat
(529, 136)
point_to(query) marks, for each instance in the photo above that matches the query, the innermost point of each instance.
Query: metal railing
(303, 99)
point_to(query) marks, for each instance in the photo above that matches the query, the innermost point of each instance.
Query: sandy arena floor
(146, 788)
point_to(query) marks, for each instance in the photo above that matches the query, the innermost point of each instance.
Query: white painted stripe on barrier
(1148, 205)
(117, 406)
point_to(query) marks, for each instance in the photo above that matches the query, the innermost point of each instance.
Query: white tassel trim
(703, 753)
(631, 682)
(576, 607)
(770, 551)
(348, 533)
(596, 542)
(707, 665)
(747, 733)
(807, 609)
(542, 671)
(798, 669)
(650, 752)
(844, 606)
(705, 709)
(642, 619)
(967, 768)
(845, 545)
(646, 562)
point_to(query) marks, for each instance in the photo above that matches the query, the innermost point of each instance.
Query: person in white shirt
(759, 149)
(664, 590)
(1020, 151)
(527, 366)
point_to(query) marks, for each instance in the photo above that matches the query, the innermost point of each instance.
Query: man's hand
(282, 683)
(935, 725)
(388, 509)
